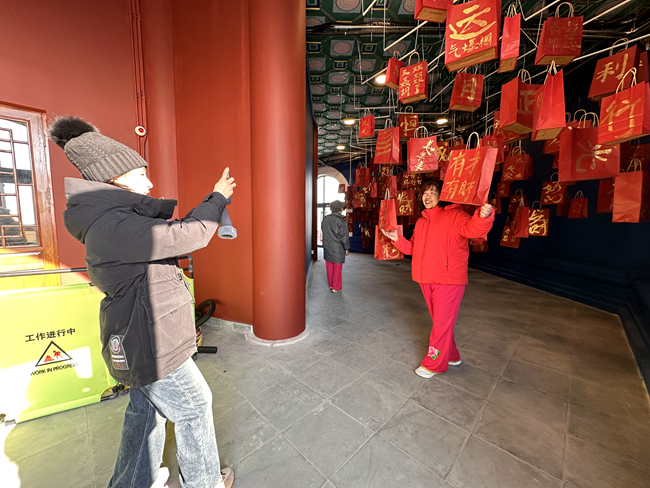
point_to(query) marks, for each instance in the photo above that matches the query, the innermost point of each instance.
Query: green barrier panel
(50, 352)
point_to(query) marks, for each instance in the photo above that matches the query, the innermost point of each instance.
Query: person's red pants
(443, 302)
(334, 278)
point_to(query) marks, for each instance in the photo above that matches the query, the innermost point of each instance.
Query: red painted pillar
(277, 83)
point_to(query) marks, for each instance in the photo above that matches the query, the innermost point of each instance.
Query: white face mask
(135, 180)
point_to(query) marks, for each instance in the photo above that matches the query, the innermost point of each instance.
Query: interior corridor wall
(310, 198)
(70, 57)
(212, 96)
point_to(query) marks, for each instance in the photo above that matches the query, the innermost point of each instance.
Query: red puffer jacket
(440, 244)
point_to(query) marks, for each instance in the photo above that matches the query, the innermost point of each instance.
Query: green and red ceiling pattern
(344, 48)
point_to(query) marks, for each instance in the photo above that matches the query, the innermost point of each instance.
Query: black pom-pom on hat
(65, 128)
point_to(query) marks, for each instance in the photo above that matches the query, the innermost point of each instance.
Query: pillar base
(284, 342)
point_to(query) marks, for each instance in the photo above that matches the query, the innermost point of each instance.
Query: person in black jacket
(147, 317)
(336, 244)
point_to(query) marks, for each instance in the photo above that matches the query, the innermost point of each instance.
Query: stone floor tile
(623, 376)
(295, 357)
(482, 465)
(104, 446)
(590, 466)
(328, 438)
(256, 375)
(324, 342)
(107, 414)
(240, 431)
(277, 465)
(396, 377)
(355, 357)
(369, 403)
(451, 403)
(426, 437)
(224, 395)
(527, 439)
(470, 378)
(493, 361)
(380, 465)
(548, 409)
(545, 356)
(372, 321)
(350, 331)
(325, 320)
(538, 377)
(33, 436)
(285, 403)
(327, 376)
(381, 344)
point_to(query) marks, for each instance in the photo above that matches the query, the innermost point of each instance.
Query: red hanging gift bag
(384, 248)
(388, 149)
(422, 153)
(472, 34)
(605, 202)
(362, 176)
(508, 238)
(518, 104)
(626, 114)
(538, 221)
(414, 82)
(407, 124)
(611, 70)
(517, 166)
(466, 96)
(521, 222)
(554, 192)
(561, 39)
(495, 202)
(549, 109)
(503, 189)
(469, 175)
(392, 72)
(510, 41)
(373, 190)
(635, 156)
(508, 136)
(431, 10)
(367, 127)
(405, 202)
(341, 187)
(579, 207)
(495, 142)
(631, 197)
(388, 213)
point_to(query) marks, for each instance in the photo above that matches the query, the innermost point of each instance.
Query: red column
(277, 82)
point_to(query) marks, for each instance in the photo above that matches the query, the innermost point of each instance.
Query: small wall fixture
(380, 80)
(441, 121)
(349, 121)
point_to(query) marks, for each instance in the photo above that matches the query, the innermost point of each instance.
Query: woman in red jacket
(440, 249)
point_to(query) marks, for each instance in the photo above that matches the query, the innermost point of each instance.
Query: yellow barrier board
(50, 352)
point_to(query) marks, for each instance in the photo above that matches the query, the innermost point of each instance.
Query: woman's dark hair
(432, 182)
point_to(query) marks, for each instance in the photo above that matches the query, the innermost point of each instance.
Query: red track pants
(334, 271)
(443, 302)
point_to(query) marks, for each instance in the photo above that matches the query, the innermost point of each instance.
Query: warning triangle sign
(53, 354)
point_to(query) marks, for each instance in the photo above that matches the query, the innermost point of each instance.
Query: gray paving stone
(355, 357)
(396, 377)
(538, 377)
(327, 376)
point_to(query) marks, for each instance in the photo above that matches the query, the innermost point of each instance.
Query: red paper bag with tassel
(626, 114)
(472, 34)
(384, 249)
(561, 39)
(549, 109)
(431, 10)
(510, 43)
(392, 73)
(387, 150)
(611, 70)
(413, 83)
(467, 93)
(367, 127)
(605, 202)
(631, 200)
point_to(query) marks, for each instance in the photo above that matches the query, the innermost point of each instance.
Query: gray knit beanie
(336, 206)
(99, 158)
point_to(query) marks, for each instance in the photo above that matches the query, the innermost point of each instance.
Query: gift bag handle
(555, 174)
(388, 123)
(409, 59)
(583, 120)
(415, 132)
(387, 194)
(469, 140)
(637, 164)
(456, 137)
(522, 73)
(517, 153)
(557, 10)
(489, 129)
(579, 194)
(512, 10)
(407, 109)
(396, 54)
(624, 40)
(518, 192)
(532, 207)
(493, 193)
(620, 84)
(552, 70)
(575, 114)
